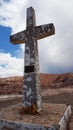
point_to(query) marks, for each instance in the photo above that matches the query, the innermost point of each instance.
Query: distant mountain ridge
(13, 85)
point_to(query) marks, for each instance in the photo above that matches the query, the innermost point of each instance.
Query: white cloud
(11, 14)
(10, 66)
(56, 51)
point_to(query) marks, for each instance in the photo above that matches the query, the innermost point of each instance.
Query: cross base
(29, 110)
(10, 117)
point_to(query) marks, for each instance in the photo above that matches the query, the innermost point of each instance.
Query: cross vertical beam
(31, 87)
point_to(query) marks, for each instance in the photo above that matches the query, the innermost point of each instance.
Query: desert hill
(65, 79)
(13, 85)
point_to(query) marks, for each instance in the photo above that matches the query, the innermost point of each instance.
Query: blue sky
(5, 45)
(55, 52)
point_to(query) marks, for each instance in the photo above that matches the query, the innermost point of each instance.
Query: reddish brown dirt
(50, 115)
(13, 85)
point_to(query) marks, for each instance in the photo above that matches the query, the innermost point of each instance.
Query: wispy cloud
(11, 14)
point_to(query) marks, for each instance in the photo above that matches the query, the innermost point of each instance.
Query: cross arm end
(43, 31)
(15, 41)
(18, 38)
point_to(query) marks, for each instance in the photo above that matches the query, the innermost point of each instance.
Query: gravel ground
(50, 115)
(61, 98)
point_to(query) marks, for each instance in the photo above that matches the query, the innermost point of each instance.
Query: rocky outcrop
(47, 80)
(64, 80)
(13, 85)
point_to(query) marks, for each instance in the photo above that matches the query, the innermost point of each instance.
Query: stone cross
(31, 84)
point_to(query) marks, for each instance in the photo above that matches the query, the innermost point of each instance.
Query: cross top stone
(37, 32)
(31, 84)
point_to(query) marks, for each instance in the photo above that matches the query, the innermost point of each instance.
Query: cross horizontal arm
(44, 31)
(18, 38)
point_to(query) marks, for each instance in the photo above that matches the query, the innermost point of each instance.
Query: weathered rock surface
(13, 85)
(64, 80)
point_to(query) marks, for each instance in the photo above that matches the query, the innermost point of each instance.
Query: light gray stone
(22, 126)
(65, 119)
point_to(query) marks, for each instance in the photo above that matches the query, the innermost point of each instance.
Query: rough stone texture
(71, 120)
(64, 122)
(7, 125)
(31, 84)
